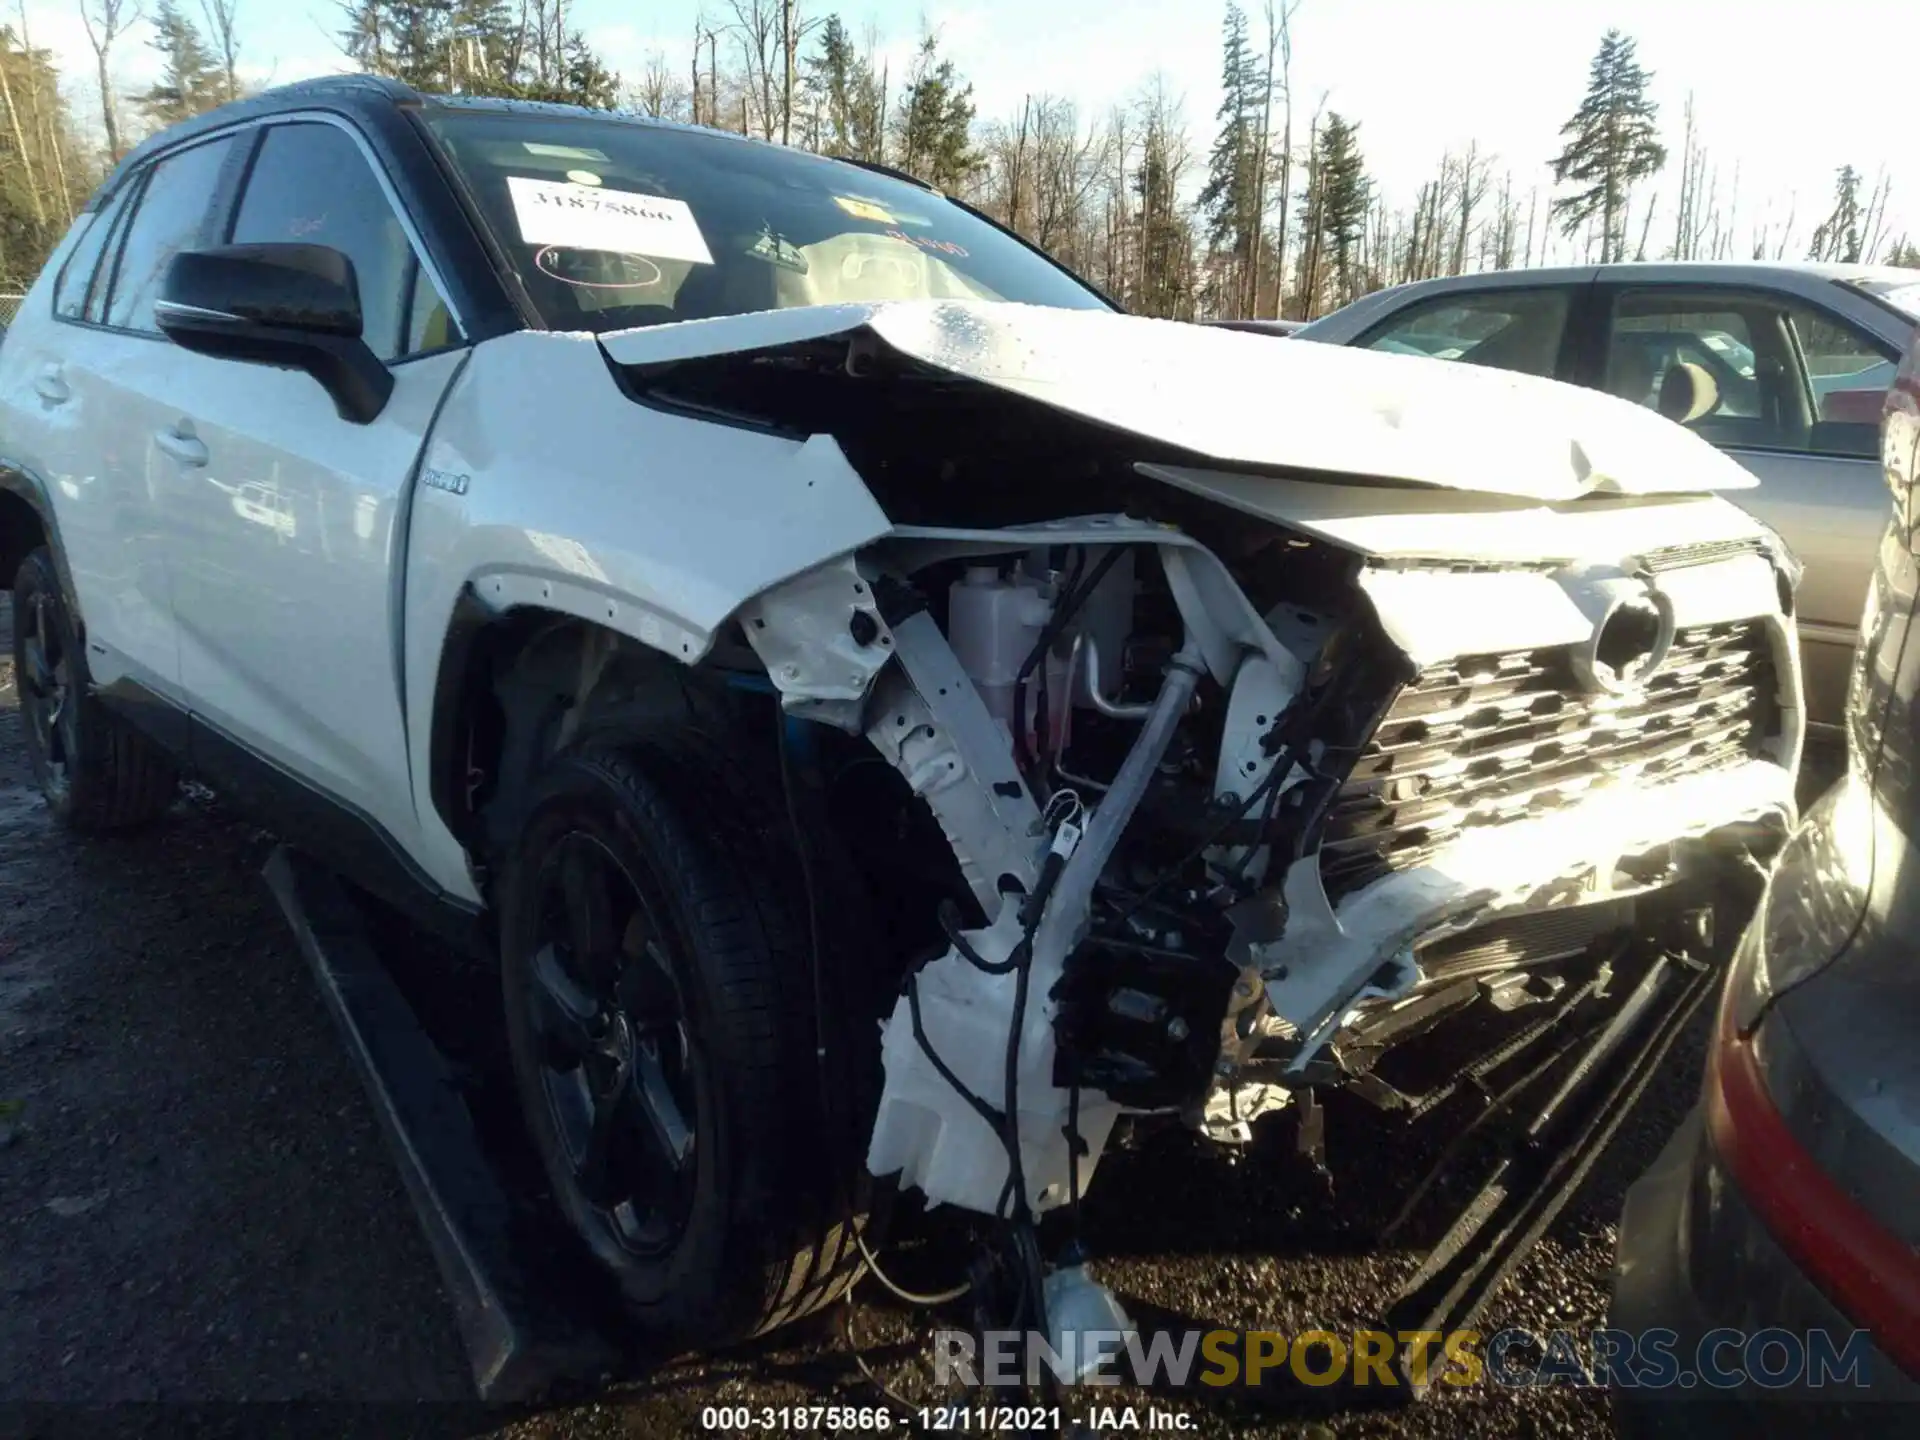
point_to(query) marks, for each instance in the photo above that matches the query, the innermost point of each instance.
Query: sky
(1784, 90)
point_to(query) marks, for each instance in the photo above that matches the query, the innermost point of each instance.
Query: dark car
(1776, 1241)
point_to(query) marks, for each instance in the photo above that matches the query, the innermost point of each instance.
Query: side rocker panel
(544, 485)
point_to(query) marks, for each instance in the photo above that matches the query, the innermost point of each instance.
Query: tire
(665, 846)
(97, 772)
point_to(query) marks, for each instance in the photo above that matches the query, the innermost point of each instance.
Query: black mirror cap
(287, 305)
(292, 287)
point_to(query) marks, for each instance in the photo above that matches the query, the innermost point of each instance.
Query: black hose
(948, 914)
(980, 1107)
(1281, 768)
(829, 1110)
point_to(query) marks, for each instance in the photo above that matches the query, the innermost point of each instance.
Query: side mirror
(292, 306)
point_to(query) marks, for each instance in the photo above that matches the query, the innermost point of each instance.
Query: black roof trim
(892, 172)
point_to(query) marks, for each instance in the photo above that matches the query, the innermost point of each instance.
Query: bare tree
(756, 32)
(1280, 29)
(659, 92)
(47, 114)
(1280, 48)
(105, 22)
(20, 144)
(693, 75)
(1646, 226)
(793, 31)
(1471, 189)
(1010, 167)
(1875, 223)
(1687, 223)
(220, 16)
(548, 21)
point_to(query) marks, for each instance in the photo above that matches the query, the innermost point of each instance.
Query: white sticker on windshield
(586, 217)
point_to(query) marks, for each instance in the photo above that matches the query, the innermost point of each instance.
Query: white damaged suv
(890, 717)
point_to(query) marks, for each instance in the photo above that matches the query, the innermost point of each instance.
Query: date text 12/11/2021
(938, 1419)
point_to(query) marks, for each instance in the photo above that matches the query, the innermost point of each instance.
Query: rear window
(611, 224)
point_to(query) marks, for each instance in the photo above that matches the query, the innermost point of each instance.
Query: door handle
(182, 444)
(51, 386)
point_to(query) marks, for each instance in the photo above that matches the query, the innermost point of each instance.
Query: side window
(1847, 379)
(76, 278)
(1749, 371)
(1660, 343)
(173, 208)
(312, 184)
(429, 322)
(1507, 329)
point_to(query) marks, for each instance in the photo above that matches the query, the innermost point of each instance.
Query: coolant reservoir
(993, 623)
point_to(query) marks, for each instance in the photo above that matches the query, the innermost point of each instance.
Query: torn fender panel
(1241, 399)
(543, 485)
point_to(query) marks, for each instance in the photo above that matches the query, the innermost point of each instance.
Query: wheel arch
(515, 684)
(26, 523)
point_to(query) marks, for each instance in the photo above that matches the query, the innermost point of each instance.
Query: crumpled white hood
(1248, 399)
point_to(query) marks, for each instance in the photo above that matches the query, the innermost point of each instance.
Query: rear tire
(97, 772)
(658, 987)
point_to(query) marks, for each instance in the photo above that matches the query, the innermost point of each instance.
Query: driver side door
(286, 524)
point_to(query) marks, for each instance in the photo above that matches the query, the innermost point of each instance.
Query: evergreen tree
(1165, 250)
(191, 81)
(1838, 236)
(934, 135)
(587, 80)
(1904, 253)
(1345, 194)
(1228, 201)
(1611, 145)
(834, 86)
(474, 47)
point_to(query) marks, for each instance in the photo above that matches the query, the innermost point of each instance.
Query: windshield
(1903, 295)
(612, 224)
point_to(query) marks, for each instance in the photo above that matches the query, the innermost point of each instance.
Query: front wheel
(97, 772)
(659, 1007)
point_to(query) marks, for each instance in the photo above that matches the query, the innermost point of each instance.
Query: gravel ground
(196, 1206)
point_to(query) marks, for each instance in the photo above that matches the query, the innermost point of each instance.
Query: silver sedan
(1785, 367)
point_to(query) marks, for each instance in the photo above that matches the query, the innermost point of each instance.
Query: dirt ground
(196, 1207)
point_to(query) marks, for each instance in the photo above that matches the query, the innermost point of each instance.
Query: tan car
(1790, 365)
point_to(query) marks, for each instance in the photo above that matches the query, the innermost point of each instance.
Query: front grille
(1490, 739)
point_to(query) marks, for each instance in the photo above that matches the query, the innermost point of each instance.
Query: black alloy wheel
(97, 772)
(659, 995)
(614, 1054)
(46, 691)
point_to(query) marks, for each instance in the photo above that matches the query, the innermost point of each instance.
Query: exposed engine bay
(1227, 833)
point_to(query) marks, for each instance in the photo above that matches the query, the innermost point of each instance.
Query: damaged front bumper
(1450, 746)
